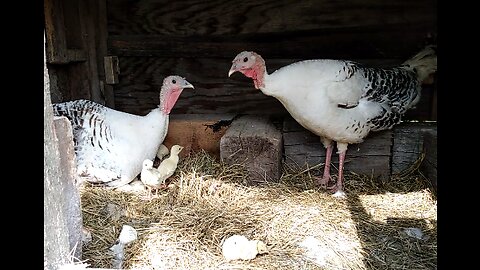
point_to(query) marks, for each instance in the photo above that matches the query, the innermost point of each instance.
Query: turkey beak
(188, 85)
(232, 70)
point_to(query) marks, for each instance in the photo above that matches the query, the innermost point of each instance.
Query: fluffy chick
(168, 166)
(239, 247)
(162, 151)
(150, 176)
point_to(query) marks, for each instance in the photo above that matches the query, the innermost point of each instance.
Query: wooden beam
(87, 14)
(347, 43)
(101, 38)
(223, 18)
(371, 157)
(111, 69)
(55, 32)
(76, 55)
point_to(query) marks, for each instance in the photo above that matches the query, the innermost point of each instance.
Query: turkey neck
(168, 98)
(258, 72)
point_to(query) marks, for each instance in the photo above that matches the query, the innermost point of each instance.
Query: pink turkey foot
(326, 179)
(337, 189)
(334, 188)
(323, 181)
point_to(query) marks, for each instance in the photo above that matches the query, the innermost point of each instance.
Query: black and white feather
(343, 100)
(110, 145)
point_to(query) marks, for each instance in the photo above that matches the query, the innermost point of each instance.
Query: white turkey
(341, 100)
(110, 145)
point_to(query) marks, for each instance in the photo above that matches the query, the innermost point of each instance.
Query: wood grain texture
(304, 148)
(198, 40)
(408, 144)
(101, 45)
(255, 142)
(55, 32)
(429, 165)
(189, 17)
(140, 79)
(280, 29)
(373, 42)
(80, 37)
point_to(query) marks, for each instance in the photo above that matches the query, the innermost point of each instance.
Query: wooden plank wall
(76, 44)
(371, 157)
(198, 40)
(408, 144)
(381, 154)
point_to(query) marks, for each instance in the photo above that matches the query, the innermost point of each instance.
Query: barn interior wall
(198, 40)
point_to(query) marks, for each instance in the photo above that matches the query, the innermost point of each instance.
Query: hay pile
(304, 228)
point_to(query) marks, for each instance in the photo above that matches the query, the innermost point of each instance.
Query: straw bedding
(183, 226)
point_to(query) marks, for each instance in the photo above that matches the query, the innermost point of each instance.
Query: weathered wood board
(429, 164)
(408, 144)
(69, 183)
(77, 42)
(140, 80)
(371, 28)
(371, 157)
(62, 215)
(198, 40)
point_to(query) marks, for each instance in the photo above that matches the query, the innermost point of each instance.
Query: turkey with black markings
(110, 145)
(341, 101)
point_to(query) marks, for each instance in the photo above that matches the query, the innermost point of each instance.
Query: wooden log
(255, 142)
(408, 144)
(303, 148)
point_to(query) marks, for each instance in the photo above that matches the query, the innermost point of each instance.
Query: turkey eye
(174, 82)
(245, 59)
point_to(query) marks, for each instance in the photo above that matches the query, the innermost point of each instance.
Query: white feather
(111, 145)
